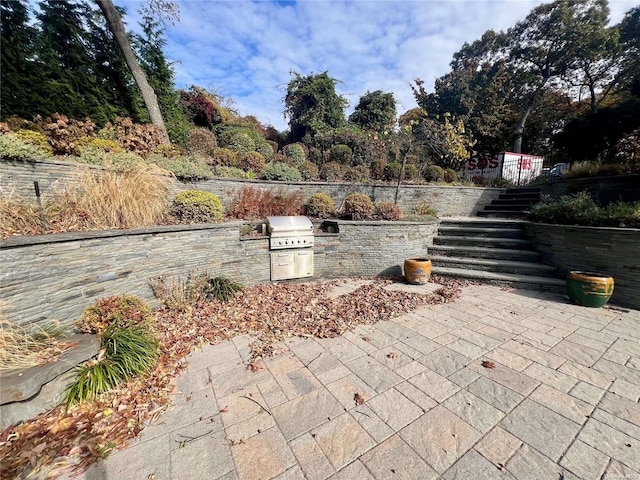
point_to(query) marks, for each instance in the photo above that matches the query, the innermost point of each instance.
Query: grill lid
(298, 224)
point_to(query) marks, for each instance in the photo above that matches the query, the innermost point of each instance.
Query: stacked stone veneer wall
(55, 277)
(603, 190)
(615, 251)
(18, 177)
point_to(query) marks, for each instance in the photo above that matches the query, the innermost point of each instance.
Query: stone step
(484, 252)
(519, 196)
(506, 214)
(507, 206)
(490, 242)
(468, 231)
(493, 265)
(534, 282)
(475, 222)
(523, 190)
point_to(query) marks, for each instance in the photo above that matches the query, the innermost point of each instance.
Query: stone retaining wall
(603, 190)
(55, 277)
(615, 251)
(18, 177)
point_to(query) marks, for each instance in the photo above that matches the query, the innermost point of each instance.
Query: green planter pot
(589, 289)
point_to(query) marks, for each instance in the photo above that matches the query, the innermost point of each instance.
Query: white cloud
(246, 49)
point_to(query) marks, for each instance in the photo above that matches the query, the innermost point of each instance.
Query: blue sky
(246, 49)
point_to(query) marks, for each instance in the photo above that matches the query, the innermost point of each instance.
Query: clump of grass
(99, 200)
(221, 289)
(124, 352)
(22, 347)
(184, 293)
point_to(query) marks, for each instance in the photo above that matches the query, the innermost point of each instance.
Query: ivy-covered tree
(375, 111)
(312, 105)
(160, 74)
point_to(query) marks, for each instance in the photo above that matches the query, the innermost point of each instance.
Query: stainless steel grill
(290, 232)
(291, 238)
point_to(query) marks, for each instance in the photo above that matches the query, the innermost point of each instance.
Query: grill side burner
(291, 241)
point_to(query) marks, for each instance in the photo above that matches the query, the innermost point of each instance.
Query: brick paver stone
(242, 405)
(578, 353)
(473, 410)
(584, 461)
(621, 407)
(394, 409)
(434, 385)
(548, 376)
(262, 456)
(444, 361)
(440, 437)
(497, 395)
(304, 413)
(498, 446)
(509, 359)
(297, 382)
(376, 375)
(342, 440)
(587, 374)
(587, 392)
(205, 457)
(617, 423)
(312, 460)
(375, 427)
(393, 459)
(626, 390)
(529, 464)
(627, 374)
(543, 429)
(562, 403)
(513, 380)
(474, 466)
(347, 387)
(352, 471)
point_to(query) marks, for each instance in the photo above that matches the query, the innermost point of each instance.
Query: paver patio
(561, 402)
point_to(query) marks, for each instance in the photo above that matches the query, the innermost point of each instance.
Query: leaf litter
(67, 442)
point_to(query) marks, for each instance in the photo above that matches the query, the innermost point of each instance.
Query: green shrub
(594, 169)
(221, 289)
(195, 206)
(309, 171)
(124, 353)
(296, 153)
(340, 154)
(450, 175)
(281, 172)
(392, 171)
(223, 157)
(120, 312)
(265, 149)
(230, 172)
(201, 141)
(580, 209)
(434, 173)
(330, 172)
(410, 172)
(109, 146)
(252, 161)
(168, 151)
(189, 168)
(35, 138)
(238, 141)
(358, 206)
(388, 211)
(377, 169)
(119, 161)
(627, 151)
(320, 205)
(13, 148)
(424, 209)
(359, 174)
(315, 156)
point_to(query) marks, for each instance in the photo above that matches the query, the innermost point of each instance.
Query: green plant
(221, 289)
(340, 154)
(35, 138)
(450, 175)
(224, 157)
(627, 151)
(410, 172)
(377, 169)
(580, 209)
(124, 352)
(359, 173)
(392, 171)
(320, 205)
(358, 206)
(189, 168)
(265, 149)
(119, 161)
(295, 152)
(252, 161)
(388, 211)
(120, 312)
(309, 171)
(434, 173)
(169, 151)
(281, 172)
(23, 347)
(229, 172)
(238, 141)
(201, 141)
(13, 148)
(194, 206)
(594, 169)
(330, 172)
(424, 209)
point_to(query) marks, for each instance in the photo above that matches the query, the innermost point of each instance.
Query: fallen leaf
(366, 339)
(488, 364)
(223, 410)
(392, 355)
(359, 399)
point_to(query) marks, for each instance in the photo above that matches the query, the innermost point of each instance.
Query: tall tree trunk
(116, 26)
(519, 128)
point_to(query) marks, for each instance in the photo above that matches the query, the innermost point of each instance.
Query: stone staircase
(491, 250)
(512, 203)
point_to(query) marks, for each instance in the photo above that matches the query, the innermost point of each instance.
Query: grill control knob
(286, 242)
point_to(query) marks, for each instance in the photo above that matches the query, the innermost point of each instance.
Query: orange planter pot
(417, 270)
